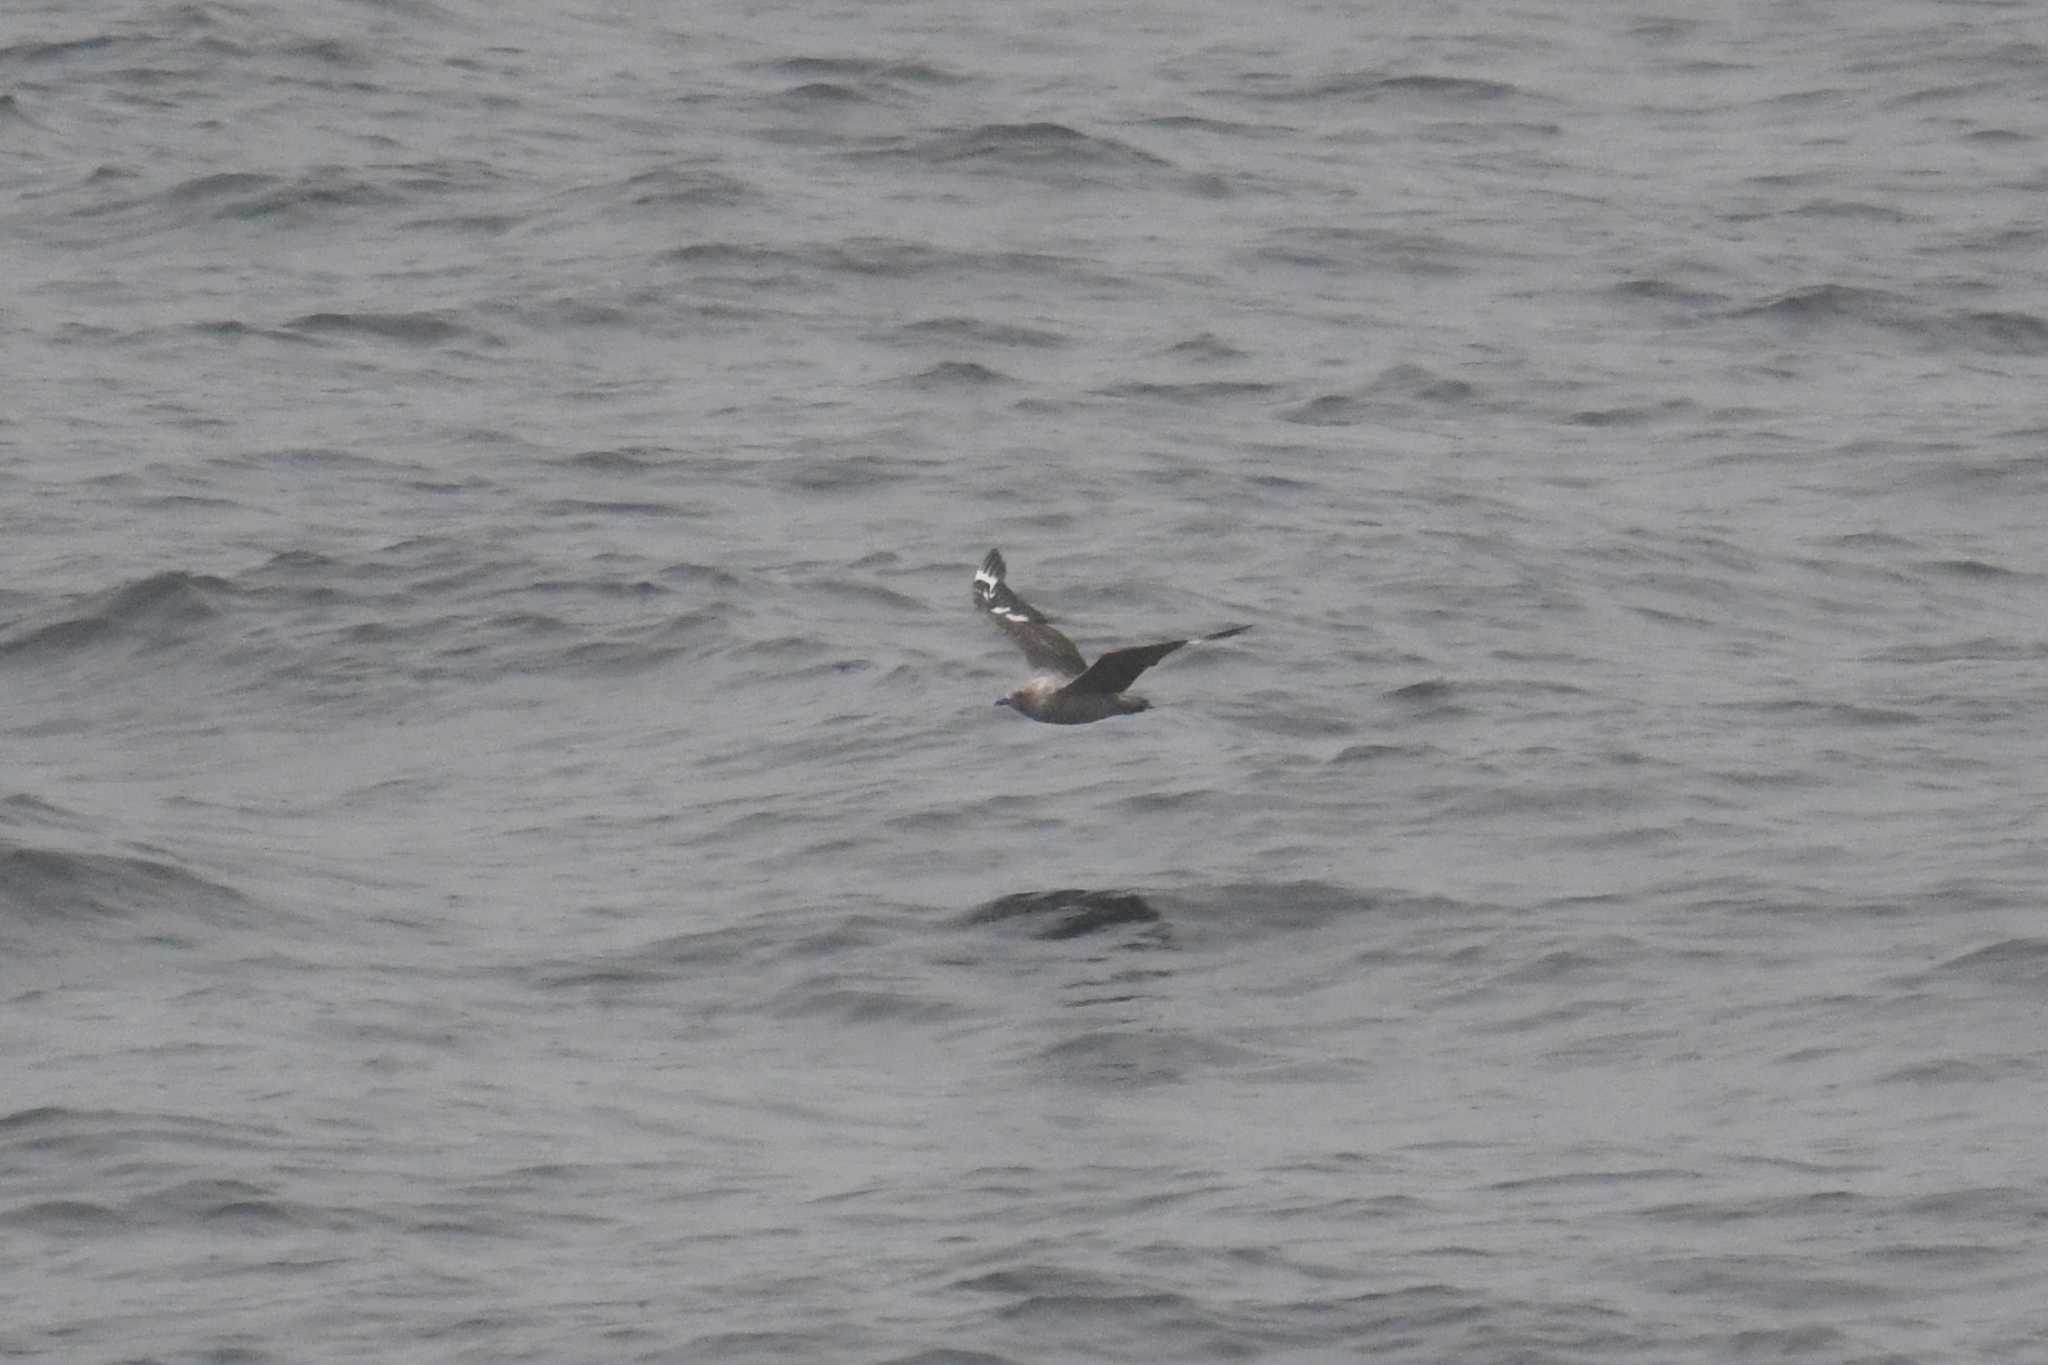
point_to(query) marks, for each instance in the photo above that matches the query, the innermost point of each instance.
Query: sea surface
(507, 854)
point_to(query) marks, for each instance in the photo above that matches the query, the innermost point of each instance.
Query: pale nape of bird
(1069, 691)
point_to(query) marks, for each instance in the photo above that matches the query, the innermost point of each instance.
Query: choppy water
(505, 850)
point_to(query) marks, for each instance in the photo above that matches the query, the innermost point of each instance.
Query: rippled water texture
(507, 854)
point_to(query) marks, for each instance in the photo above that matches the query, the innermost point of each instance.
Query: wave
(49, 894)
(1830, 305)
(158, 611)
(1031, 146)
(1067, 913)
(414, 329)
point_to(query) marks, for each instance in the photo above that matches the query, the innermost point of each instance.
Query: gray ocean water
(506, 853)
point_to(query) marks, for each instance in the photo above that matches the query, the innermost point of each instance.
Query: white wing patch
(1043, 644)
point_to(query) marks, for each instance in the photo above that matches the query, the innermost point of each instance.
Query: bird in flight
(1069, 690)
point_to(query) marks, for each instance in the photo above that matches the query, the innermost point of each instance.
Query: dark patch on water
(1069, 913)
(959, 329)
(956, 374)
(417, 329)
(1033, 145)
